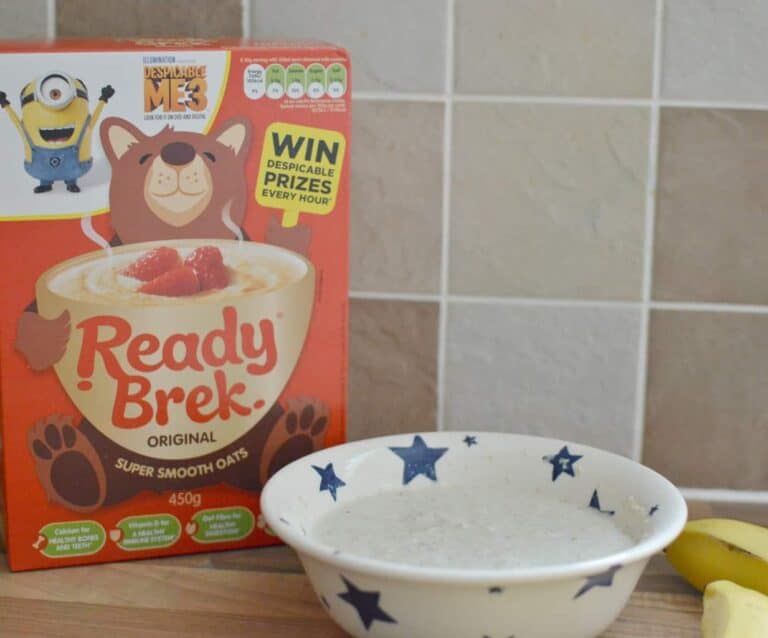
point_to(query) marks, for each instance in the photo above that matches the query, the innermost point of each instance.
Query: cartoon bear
(176, 185)
(172, 185)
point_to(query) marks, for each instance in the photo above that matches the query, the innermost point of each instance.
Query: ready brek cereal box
(173, 263)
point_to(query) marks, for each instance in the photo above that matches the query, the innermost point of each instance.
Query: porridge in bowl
(452, 527)
(207, 273)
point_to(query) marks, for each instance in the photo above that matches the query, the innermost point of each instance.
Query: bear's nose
(177, 153)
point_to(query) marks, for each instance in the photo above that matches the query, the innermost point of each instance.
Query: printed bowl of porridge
(176, 349)
(472, 534)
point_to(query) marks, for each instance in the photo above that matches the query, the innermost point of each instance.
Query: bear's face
(176, 184)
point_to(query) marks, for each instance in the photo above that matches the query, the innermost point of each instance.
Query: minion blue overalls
(51, 165)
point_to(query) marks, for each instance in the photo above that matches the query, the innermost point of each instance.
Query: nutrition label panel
(294, 81)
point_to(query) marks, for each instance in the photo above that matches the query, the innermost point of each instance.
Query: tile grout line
(481, 299)
(245, 14)
(704, 104)
(393, 96)
(442, 317)
(673, 306)
(50, 16)
(552, 99)
(696, 306)
(395, 296)
(543, 302)
(650, 215)
(725, 495)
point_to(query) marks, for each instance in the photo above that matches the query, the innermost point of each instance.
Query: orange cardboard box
(173, 261)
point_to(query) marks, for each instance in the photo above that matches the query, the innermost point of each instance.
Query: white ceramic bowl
(369, 597)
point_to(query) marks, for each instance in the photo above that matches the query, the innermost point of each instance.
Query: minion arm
(17, 123)
(96, 114)
(106, 94)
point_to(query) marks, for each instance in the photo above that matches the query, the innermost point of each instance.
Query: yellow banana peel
(732, 611)
(712, 549)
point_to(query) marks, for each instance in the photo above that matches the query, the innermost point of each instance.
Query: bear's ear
(235, 133)
(117, 136)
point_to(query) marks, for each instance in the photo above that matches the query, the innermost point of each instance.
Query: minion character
(56, 128)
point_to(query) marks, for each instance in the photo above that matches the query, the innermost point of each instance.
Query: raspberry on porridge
(166, 275)
(154, 263)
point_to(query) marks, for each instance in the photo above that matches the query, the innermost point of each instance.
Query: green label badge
(146, 532)
(275, 81)
(76, 538)
(337, 80)
(315, 80)
(296, 81)
(221, 525)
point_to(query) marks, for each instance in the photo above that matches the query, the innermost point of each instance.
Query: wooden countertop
(263, 592)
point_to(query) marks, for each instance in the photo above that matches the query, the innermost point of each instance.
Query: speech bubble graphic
(71, 538)
(300, 170)
(150, 531)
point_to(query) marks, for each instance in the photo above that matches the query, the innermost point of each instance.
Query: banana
(721, 549)
(731, 611)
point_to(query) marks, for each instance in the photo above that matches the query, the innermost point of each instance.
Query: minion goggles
(55, 91)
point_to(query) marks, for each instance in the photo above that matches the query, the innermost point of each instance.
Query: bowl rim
(304, 544)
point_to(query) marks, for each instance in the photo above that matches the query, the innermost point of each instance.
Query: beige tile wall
(560, 213)
(25, 19)
(548, 200)
(549, 47)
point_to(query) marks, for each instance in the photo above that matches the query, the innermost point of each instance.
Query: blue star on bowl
(419, 459)
(594, 503)
(329, 482)
(562, 462)
(603, 579)
(366, 604)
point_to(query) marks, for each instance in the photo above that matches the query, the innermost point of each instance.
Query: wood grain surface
(263, 592)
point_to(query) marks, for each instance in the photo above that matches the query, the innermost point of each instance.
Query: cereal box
(173, 262)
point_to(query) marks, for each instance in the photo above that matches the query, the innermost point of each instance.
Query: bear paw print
(300, 431)
(67, 465)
